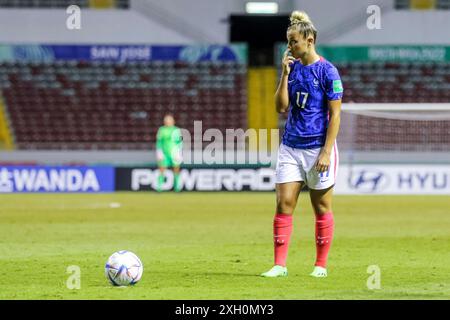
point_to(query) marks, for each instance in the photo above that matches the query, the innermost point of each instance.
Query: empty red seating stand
(109, 105)
(106, 105)
(400, 82)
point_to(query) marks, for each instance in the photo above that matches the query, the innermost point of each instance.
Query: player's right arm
(159, 146)
(282, 95)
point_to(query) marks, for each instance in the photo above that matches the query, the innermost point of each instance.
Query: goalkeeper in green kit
(169, 151)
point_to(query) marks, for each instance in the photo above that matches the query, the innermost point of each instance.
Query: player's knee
(285, 205)
(322, 208)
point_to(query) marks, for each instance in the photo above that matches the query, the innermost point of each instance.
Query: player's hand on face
(287, 61)
(323, 162)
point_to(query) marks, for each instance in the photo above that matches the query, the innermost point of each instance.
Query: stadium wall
(261, 113)
(187, 22)
(400, 27)
(6, 139)
(97, 26)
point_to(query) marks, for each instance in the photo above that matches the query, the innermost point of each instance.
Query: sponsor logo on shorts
(324, 176)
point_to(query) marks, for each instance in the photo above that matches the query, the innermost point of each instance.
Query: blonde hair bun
(299, 17)
(301, 22)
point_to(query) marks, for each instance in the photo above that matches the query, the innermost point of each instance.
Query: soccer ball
(123, 268)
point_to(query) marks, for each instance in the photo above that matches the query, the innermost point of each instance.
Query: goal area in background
(395, 132)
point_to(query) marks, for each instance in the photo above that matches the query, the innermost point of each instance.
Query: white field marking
(62, 207)
(115, 205)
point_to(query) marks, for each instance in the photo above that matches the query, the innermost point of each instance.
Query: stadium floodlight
(261, 7)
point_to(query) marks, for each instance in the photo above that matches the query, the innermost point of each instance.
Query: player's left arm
(177, 144)
(323, 162)
(177, 139)
(334, 92)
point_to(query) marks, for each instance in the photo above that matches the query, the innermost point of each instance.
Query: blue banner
(56, 179)
(124, 53)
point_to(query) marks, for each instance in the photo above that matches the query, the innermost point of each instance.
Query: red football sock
(282, 229)
(324, 236)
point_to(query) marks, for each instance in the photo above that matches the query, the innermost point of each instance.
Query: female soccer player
(311, 90)
(168, 151)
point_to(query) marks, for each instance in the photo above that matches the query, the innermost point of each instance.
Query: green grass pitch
(214, 246)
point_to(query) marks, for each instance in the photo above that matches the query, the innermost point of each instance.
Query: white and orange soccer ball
(123, 268)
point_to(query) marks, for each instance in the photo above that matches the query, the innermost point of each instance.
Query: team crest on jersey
(316, 83)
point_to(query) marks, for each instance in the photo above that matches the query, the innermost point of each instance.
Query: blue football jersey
(310, 88)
